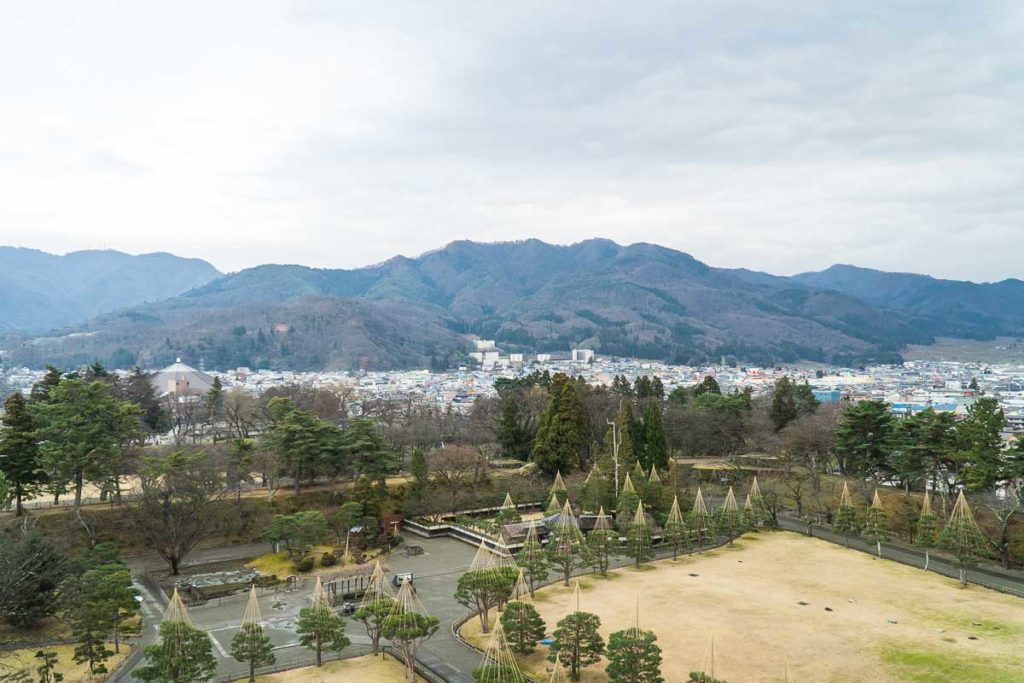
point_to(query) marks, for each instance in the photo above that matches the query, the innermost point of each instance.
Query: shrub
(305, 564)
(328, 560)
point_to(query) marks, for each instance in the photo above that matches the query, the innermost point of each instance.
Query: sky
(779, 136)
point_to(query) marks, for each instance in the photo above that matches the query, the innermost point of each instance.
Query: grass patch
(73, 673)
(942, 667)
(273, 564)
(46, 629)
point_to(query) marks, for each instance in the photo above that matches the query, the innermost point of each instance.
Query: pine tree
(183, 655)
(845, 520)
(730, 519)
(962, 537)
(638, 537)
(577, 642)
(513, 434)
(601, 543)
(674, 532)
(19, 456)
(319, 628)
(926, 534)
(634, 657)
(566, 547)
(251, 645)
(626, 504)
(533, 559)
(876, 528)
(523, 626)
(702, 526)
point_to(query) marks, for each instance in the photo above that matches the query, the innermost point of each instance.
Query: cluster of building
(909, 388)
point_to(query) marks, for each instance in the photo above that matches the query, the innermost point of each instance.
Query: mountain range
(638, 300)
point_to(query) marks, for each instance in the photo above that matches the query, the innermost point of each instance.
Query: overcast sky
(781, 136)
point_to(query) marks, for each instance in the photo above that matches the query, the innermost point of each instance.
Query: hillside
(41, 291)
(947, 308)
(638, 300)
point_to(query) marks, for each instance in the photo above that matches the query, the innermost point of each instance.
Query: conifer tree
(626, 504)
(655, 441)
(319, 628)
(251, 645)
(702, 526)
(638, 537)
(533, 560)
(634, 657)
(577, 642)
(566, 547)
(845, 520)
(730, 520)
(523, 626)
(876, 527)
(926, 534)
(602, 542)
(19, 455)
(561, 439)
(184, 654)
(962, 537)
(674, 532)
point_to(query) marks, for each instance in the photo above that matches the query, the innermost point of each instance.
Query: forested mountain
(638, 300)
(40, 291)
(946, 307)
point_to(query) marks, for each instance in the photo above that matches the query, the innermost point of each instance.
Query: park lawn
(748, 597)
(45, 629)
(73, 673)
(366, 669)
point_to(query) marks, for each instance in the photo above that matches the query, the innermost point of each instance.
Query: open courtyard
(832, 614)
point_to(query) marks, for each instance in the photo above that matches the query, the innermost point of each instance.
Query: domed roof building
(179, 379)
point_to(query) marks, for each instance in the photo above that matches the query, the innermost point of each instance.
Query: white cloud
(762, 135)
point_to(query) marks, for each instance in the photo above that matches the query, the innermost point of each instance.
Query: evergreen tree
(514, 435)
(533, 560)
(577, 642)
(730, 519)
(31, 573)
(708, 386)
(319, 628)
(253, 647)
(498, 673)
(674, 532)
(634, 657)
(19, 454)
(876, 528)
(701, 523)
(484, 589)
(865, 439)
(638, 537)
(962, 537)
(523, 626)
(783, 409)
(183, 655)
(561, 436)
(602, 542)
(626, 505)
(845, 519)
(655, 442)
(566, 548)
(926, 533)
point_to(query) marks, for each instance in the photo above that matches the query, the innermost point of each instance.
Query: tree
(19, 453)
(701, 677)
(408, 627)
(514, 433)
(730, 519)
(1004, 508)
(655, 451)
(304, 443)
(926, 533)
(845, 520)
(372, 615)
(31, 573)
(47, 668)
(250, 644)
(183, 655)
(560, 440)
(925, 447)
(98, 601)
(638, 537)
(708, 386)
(533, 560)
(80, 428)
(577, 642)
(602, 543)
(876, 528)
(367, 453)
(980, 445)
(962, 537)
(178, 506)
(864, 439)
(420, 473)
(701, 524)
(319, 628)
(523, 626)
(566, 547)
(674, 532)
(633, 657)
(482, 589)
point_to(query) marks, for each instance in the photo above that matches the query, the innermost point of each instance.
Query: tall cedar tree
(655, 442)
(253, 647)
(634, 657)
(19, 455)
(523, 626)
(184, 654)
(31, 573)
(577, 642)
(561, 436)
(513, 434)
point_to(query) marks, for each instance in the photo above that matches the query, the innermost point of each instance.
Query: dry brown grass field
(884, 622)
(368, 669)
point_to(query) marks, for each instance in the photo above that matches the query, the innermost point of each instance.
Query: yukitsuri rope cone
(709, 658)
(729, 520)
(602, 541)
(653, 478)
(377, 587)
(755, 493)
(701, 523)
(962, 537)
(566, 546)
(521, 589)
(555, 506)
(499, 664)
(627, 485)
(558, 672)
(638, 536)
(508, 504)
(408, 626)
(558, 484)
(674, 532)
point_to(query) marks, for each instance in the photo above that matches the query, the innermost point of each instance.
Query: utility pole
(616, 442)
